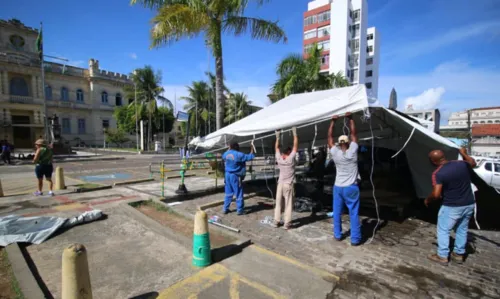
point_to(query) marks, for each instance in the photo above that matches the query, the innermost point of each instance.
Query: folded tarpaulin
(16, 229)
(311, 114)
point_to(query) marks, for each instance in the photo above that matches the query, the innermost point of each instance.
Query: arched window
(48, 92)
(475, 122)
(497, 121)
(482, 122)
(64, 94)
(79, 95)
(19, 87)
(104, 97)
(118, 99)
(490, 121)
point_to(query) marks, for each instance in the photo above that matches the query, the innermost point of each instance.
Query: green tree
(147, 84)
(117, 137)
(237, 107)
(197, 105)
(177, 19)
(297, 75)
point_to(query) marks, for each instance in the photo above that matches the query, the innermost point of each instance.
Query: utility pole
(136, 120)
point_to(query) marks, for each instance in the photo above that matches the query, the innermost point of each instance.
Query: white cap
(343, 139)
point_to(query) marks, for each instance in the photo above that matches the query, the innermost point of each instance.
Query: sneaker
(457, 258)
(287, 226)
(37, 193)
(436, 258)
(241, 213)
(51, 193)
(225, 212)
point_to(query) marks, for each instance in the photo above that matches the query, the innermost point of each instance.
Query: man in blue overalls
(235, 171)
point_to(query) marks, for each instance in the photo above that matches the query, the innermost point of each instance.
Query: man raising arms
(345, 189)
(286, 164)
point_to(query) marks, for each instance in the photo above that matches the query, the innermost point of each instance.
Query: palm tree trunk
(219, 78)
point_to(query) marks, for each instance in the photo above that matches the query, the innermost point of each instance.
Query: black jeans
(6, 157)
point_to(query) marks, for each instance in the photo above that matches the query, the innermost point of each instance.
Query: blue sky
(436, 53)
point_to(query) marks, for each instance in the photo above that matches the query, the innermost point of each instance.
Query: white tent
(311, 113)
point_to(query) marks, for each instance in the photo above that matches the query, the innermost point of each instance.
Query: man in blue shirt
(452, 182)
(235, 162)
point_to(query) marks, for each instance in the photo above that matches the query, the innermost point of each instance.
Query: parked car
(489, 171)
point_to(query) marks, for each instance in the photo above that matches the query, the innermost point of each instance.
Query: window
(497, 121)
(66, 126)
(104, 97)
(19, 87)
(354, 45)
(368, 85)
(369, 36)
(324, 16)
(81, 126)
(324, 31)
(497, 167)
(355, 30)
(356, 15)
(79, 95)
(307, 48)
(118, 99)
(490, 122)
(369, 61)
(369, 73)
(482, 122)
(64, 94)
(488, 167)
(310, 34)
(325, 60)
(310, 20)
(324, 45)
(105, 123)
(475, 122)
(48, 92)
(354, 75)
(369, 49)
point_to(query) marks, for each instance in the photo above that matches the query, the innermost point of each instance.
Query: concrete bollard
(75, 273)
(1, 189)
(60, 179)
(201, 241)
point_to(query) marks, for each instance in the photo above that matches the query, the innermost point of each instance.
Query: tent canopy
(311, 114)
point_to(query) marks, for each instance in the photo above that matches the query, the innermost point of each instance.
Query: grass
(134, 150)
(87, 186)
(6, 269)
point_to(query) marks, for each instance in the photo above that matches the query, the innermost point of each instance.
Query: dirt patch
(179, 223)
(9, 288)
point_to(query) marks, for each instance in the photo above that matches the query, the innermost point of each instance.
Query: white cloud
(133, 56)
(428, 45)
(428, 99)
(466, 86)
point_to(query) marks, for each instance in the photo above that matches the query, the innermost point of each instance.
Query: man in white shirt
(345, 189)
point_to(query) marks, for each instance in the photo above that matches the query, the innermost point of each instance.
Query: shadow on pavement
(150, 295)
(227, 251)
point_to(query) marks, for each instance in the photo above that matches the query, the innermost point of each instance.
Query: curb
(82, 190)
(25, 278)
(133, 182)
(178, 176)
(56, 161)
(155, 226)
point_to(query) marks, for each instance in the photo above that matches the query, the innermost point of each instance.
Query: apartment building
(82, 98)
(486, 115)
(340, 29)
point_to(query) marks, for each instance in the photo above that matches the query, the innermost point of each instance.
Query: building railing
(21, 99)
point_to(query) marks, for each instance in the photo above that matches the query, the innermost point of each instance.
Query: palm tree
(197, 103)
(297, 75)
(147, 82)
(237, 107)
(177, 19)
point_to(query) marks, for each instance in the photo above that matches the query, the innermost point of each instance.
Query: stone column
(33, 86)
(5, 82)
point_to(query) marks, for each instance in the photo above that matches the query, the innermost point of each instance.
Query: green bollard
(201, 241)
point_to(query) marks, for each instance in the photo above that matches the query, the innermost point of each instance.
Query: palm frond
(177, 21)
(259, 28)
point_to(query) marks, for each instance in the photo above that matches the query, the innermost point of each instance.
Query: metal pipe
(224, 226)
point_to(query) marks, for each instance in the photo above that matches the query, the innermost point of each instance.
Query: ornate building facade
(82, 98)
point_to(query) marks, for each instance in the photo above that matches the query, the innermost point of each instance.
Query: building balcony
(21, 99)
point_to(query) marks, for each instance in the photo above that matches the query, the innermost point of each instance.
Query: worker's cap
(343, 139)
(40, 142)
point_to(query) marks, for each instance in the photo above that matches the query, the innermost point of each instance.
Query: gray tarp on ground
(17, 229)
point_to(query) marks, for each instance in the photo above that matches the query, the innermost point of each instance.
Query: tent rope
(265, 175)
(315, 134)
(373, 185)
(406, 143)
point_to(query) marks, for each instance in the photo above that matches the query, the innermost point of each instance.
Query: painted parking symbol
(105, 177)
(200, 284)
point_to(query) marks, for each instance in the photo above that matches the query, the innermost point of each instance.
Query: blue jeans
(350, 197)
(233, 188)
(448, 218)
